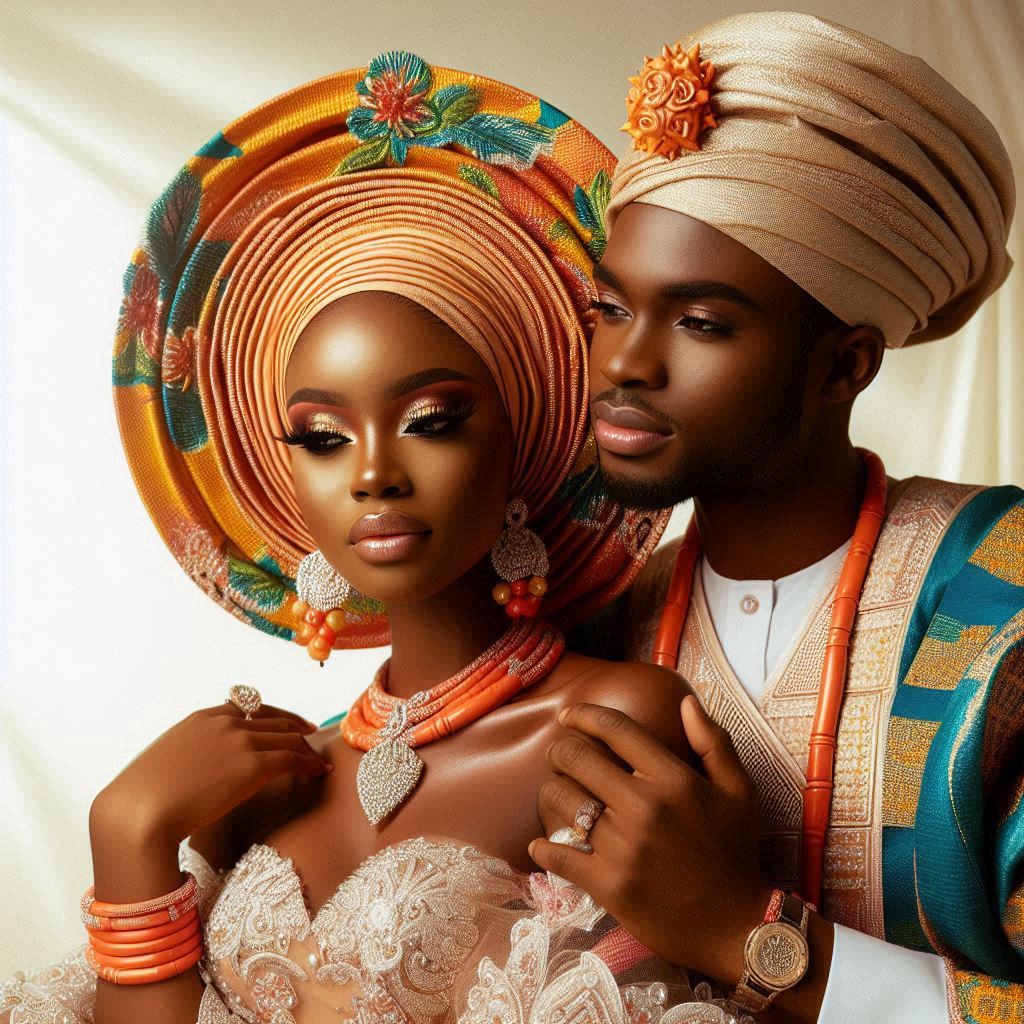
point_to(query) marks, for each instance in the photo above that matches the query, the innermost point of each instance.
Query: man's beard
(738, 466)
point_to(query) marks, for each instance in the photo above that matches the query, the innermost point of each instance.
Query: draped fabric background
(104, 642)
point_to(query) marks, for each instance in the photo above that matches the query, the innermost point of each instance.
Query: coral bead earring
(521, 561)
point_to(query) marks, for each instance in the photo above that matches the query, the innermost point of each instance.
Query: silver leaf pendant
(387, 774)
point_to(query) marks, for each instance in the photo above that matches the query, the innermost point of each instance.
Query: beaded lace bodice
(424, 931)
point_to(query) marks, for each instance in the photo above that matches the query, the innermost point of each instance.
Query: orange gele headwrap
(476, 200)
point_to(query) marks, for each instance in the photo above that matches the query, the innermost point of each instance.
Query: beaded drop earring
(521, 561)
(318, 615)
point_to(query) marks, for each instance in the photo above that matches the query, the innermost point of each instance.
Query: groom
(835, 197)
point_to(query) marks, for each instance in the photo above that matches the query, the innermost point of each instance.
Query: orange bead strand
(480, 687)
(820, 778)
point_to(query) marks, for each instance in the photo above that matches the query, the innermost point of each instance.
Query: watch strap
(752, 993)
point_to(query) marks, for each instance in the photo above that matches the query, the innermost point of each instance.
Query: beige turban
(853, 168)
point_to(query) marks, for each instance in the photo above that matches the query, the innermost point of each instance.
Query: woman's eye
(319, 442)
(435, 424)
(435, 420)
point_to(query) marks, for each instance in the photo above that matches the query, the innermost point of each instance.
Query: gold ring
(246, 698)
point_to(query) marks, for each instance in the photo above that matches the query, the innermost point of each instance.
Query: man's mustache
(622, 398)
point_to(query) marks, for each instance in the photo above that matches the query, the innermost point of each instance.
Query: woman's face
(401, 448)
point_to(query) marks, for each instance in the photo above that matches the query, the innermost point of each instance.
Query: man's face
(699, 377)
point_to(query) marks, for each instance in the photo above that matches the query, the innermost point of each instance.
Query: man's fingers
(592, 769)
(641, 750)
(559, 802)
(565, 861)
(712, 745)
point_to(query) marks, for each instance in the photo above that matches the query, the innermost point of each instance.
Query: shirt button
(749, 604)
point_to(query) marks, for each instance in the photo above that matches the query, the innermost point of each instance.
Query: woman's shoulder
(649, 694)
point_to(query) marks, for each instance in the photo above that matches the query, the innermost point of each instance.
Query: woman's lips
(622, 430)
(386, 536)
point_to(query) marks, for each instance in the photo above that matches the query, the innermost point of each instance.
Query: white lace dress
(425, 931)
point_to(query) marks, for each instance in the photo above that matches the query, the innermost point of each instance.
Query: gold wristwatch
(776, 954)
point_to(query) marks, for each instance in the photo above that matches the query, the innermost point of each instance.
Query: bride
(350, 374)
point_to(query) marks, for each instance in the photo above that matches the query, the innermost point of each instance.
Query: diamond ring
(246, 698)
(586, 817)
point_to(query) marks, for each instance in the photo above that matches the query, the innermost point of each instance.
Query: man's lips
(623, 430)
(385, 524)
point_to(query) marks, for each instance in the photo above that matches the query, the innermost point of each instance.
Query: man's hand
(675, 852)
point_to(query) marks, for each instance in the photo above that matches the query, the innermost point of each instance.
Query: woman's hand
(202, 768)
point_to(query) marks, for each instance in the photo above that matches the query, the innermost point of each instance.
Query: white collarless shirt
(757, 622)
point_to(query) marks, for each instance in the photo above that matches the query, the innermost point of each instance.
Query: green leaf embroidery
(373, 154)
(480, 178)
(584, 209)
(586, 493)
(195, 283)
(263, 559)
(457, 107)
(185, 421)
(494, 138)
(268, 627)
(590, 207)
(172, 219)
(255, 585)
(600, 193)
(559, 229)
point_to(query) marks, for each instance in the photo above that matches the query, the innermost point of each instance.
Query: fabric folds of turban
(853, 168)
(472, 198)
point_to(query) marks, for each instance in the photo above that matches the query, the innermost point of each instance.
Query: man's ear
(856, 354)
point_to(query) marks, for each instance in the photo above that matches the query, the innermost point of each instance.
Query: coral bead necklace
(388, 727)
(822, 748)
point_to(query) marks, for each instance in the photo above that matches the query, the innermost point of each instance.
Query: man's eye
(701, 325)
(609, 310)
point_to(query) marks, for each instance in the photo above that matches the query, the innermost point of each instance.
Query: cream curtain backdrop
(105, 643)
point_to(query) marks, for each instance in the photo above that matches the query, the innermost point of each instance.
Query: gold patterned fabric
(772, 737)
(926, 843)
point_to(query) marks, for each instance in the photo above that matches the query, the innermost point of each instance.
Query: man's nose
(632, 360)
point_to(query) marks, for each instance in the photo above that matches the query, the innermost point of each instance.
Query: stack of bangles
(138, 943)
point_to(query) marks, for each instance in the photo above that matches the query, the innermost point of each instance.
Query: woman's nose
(379, 474)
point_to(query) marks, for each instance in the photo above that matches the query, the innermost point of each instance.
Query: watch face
(777, 954)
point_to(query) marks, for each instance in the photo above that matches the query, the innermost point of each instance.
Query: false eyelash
(452, 415)
(313, 440)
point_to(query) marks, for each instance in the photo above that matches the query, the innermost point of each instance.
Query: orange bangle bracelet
(155, 919)
(144, 975)
(99, 908)
(182, 949)
(155, 945)
(128, 936)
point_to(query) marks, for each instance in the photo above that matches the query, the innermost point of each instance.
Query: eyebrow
(685, 289)
(423, 378)
(401, 387)
(318, 396)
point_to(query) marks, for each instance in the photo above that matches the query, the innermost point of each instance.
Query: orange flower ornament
(669, 105)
